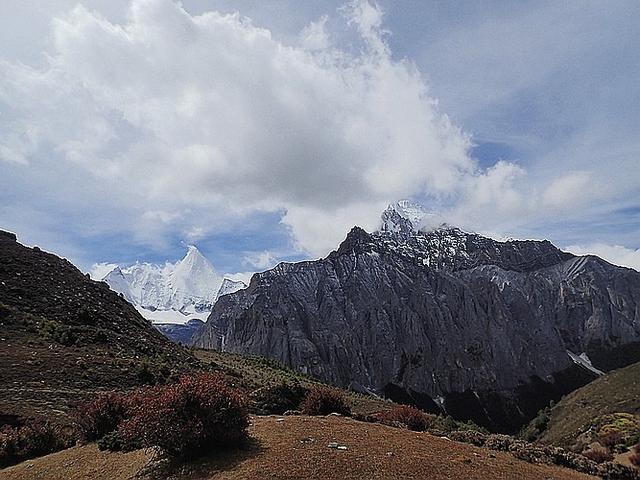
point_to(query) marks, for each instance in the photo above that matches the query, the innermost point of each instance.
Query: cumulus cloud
(188, 120)
(616, 254)
(569, 189)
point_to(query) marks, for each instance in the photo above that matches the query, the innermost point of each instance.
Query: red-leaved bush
(100, 416)
(635, 457)
(325, 400)
(186, 418)
(33, 439)
(413, 418)
(598, 455)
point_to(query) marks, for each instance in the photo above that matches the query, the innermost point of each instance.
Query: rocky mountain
(173, 293)
(448, 320)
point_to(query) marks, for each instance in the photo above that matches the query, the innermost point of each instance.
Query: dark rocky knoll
(446, 320)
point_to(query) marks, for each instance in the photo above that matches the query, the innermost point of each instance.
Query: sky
(263, 131)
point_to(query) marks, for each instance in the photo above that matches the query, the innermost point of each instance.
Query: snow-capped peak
(406, 216)
(193, 280)
(190, 285)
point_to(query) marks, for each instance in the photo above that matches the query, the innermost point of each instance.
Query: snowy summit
(406, 216)
(173, 292)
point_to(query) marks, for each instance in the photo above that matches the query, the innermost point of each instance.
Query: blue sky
(130, 129)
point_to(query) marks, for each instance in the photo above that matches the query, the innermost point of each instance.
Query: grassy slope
(616, 392)
(253, 372)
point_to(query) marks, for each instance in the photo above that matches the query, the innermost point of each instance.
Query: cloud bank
(167, 124)
(182, 121)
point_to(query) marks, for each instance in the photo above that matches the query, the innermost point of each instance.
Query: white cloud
(570, 190)
(616, 254)
(260, 260)
(188, 121)
(315, 36)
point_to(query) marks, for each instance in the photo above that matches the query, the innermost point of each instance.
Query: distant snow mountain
(173, 292)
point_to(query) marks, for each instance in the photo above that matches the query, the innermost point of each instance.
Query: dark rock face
(180, 332)
(446, 319)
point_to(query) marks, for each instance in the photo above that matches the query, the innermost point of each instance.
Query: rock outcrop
(443, 319)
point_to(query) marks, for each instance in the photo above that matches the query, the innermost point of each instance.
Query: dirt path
(297, 448)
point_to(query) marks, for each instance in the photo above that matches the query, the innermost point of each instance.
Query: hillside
(295, 447)
(65, 336)
(601, 402)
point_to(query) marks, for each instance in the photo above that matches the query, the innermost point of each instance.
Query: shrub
(34, 439)
(113, 441)
(413, 418)
(611, 439)
(102, 415)
(537, 426)
(468, 436)
(186, 418)
(325, 400)
(277, 399)
(598, 455)
(499, 442)
(635, 457)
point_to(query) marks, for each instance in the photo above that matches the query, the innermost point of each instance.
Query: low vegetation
(598, 455)
(277, 399)
(411, 417)
(101, 416)
(32, 439)
(635, 457)
(323, 400)
(597, 462)
(197, 413)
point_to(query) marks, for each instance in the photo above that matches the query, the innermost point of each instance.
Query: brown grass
(297, 447)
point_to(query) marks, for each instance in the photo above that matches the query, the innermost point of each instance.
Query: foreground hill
(448, 320)
(295, 447)
(610, 401)
(64, 336)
